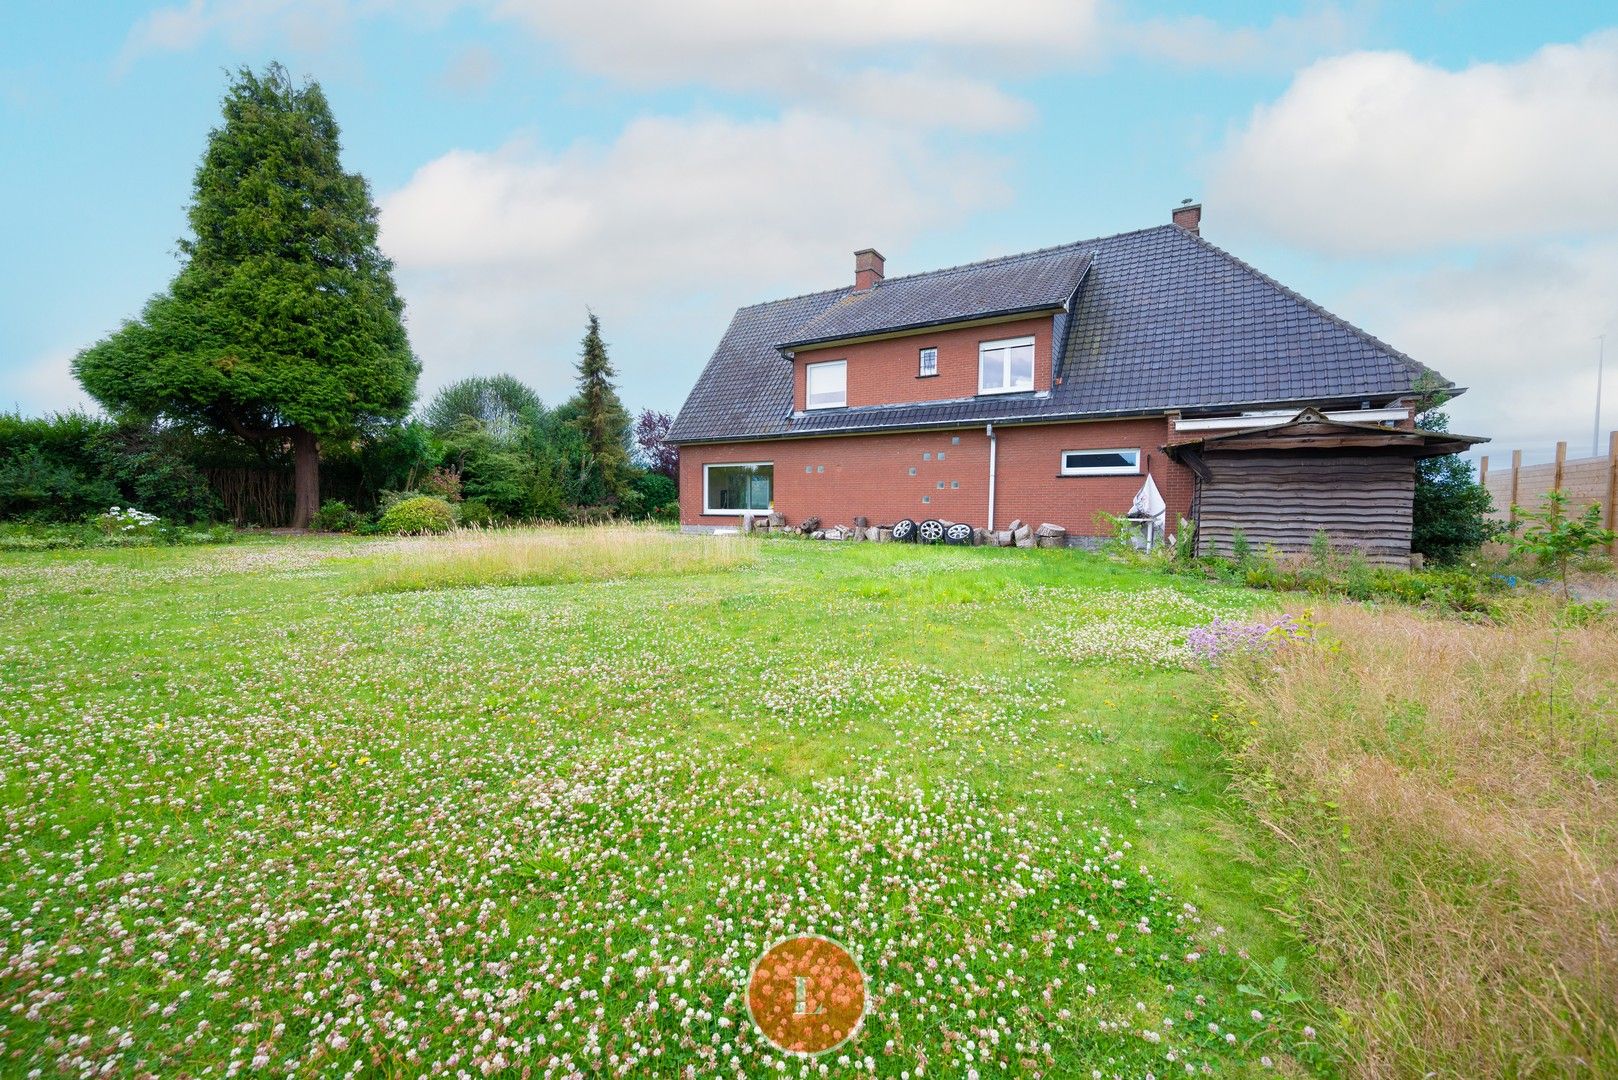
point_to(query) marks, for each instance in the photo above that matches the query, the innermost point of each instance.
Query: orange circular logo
(807, 995)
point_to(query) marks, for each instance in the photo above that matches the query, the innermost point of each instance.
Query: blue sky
(1445, 175)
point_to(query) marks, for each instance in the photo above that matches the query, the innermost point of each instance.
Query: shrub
(416, 515)
(1450, 515)
(477, 512)
(334, 515)
(1555, 540)
(444, 483)
(654, 490)
(127, 521)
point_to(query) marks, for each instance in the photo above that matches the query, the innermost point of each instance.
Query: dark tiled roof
(1008, 286)
(1163, 320)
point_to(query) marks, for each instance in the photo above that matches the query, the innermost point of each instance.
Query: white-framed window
(738, 487)
(826, 385)
(928, 365)
(1006, 366)
(1100, 462)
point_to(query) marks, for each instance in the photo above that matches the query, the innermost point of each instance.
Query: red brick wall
(884, 372)
(837, 478)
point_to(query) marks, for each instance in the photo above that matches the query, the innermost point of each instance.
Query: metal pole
(1601, 362)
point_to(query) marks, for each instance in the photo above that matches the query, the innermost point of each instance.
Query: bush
(66, 467)
(1325, 572)
(334, 515)
(1450, 514)
(94, 534)
(477, 512)
(418, 515)
(655, 491)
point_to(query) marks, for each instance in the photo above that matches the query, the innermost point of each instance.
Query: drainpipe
(989, 431)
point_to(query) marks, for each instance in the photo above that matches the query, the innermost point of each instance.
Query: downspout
(989, 431)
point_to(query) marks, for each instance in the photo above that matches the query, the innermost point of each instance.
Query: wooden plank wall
(1282, 500)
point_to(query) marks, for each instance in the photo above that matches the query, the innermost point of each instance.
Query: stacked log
(1050, 536)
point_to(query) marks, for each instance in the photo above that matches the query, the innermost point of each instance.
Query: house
(1047, 387)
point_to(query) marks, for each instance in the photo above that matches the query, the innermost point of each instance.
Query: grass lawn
(283, 806)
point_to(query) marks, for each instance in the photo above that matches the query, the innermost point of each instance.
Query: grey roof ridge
(993, 260)
(1364, 335)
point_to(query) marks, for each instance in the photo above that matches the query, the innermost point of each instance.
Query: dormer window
(928, 365)
(1006, 366)
(826, 385)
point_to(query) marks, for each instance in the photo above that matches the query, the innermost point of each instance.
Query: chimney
(1188, 216)
(868, 264)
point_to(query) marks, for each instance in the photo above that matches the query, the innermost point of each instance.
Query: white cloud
(744, 42)
(1376, 153)
(1196, 41)
(927, 63)
(302, 25)
(46, 385)
(499, 253)
(1518, 327)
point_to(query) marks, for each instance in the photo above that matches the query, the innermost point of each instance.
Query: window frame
(1101, 470)
(808, 370)
(921, 362)
(1007, 344)
(709, 510)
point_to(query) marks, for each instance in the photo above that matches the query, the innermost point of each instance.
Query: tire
(904, 532)
(958, 533)
(930, 531)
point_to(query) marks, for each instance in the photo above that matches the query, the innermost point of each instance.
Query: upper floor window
(1005, 366)
(826, 385)
(929, 363)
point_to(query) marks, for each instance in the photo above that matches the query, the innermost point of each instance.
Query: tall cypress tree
(602, 420)
(283, 325)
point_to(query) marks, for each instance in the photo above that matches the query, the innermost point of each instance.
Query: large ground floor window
(738, 488)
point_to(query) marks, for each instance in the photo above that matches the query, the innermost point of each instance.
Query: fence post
(1612, 488)
(1561, 459)
(1516, 476)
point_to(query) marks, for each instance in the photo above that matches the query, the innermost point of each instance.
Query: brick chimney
(1188, 216)
(868, 263)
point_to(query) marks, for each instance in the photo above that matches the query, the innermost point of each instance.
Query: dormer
(974, 331)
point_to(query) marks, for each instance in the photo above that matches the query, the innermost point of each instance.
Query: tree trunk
(305, 477)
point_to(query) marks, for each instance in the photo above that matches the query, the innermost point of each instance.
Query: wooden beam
(1516, 480)
(1561, 460)
(1612, 489)
(1483, 471)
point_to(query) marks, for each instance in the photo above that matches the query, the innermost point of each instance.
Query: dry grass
(1444, 796)
(547, 556)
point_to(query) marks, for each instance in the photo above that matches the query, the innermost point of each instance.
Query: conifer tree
(283, 324)
(603, 422)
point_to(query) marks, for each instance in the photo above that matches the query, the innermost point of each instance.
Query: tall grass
(1443, 797)
(547, 556)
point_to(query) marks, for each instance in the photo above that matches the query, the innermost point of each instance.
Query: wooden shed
(1281, 485)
